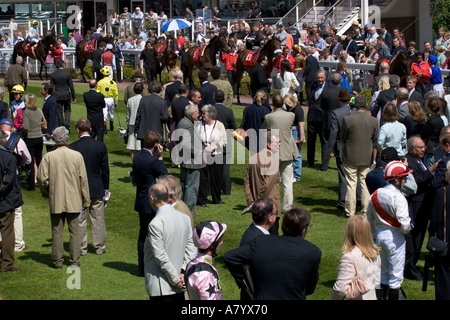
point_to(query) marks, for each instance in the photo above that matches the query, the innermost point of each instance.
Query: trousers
(392, 243)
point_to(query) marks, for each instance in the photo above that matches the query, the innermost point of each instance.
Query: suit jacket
(328, 103)
(352, 48)
(225, 86)
(334, 142)
(4, 110)
(95, 158)
(63, 90)
(146, 169)
(259, 80)
(315, 112)
(189, 147)
(262, 179)
(97, 60)
(423, 178)
(172, 91)
(417, 96)
(359, 132)
(336, 49)
(439, 175)
(95, 102)
(226, 116)
(50, 109)
(207, 91)
(178, 105)
(151, 114)
(291, 281)
(384, 97)
(250, 233)
(168, 249)
(312, 66)
(66, 183)
(283, 121)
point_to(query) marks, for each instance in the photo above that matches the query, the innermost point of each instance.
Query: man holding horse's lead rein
(33, 33)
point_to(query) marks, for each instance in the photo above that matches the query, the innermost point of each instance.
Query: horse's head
(273, 44)
(50, 40)
(223, 43)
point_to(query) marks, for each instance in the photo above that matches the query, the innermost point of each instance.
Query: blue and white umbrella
(176, 24)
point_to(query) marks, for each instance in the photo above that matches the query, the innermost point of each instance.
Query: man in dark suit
(179, 104)
(352, 46)
(49, 109)
(291, 281)
(315, 119)
(148, 165)
(264, 215)
(329, 102)
(387, 95)
(386, 35)
(419, 204)
(207, 89)
(152, 112)
(384, 71)
(172, 89)
(414, 95)
(226, 116)
(335, 147)
(95, 103)
(336, 47)
(97, 60)
(310, 73)
(64, 93)
(259, 80)
(95, 158)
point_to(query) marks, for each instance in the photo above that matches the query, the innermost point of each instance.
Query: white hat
(109, 46)
(278, 51)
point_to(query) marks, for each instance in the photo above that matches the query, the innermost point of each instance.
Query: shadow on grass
(122, 164)
(123, 266)
(319, 205)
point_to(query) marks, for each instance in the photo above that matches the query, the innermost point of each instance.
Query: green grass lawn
(113, 276)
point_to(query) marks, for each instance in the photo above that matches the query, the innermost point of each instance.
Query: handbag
(293, 85)
(358, 286)
(438, 247)
(43, 121)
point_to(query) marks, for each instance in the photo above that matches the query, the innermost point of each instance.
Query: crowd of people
(391, 154)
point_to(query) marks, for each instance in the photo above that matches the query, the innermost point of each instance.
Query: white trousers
(18, 229)
(393, 245)
(108, 110)
(287, 177)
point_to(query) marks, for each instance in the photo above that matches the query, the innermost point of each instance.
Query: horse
(40, 51)
(83, 56)
(167, 56)
(205, 57)
(399, 65)
(273, 44)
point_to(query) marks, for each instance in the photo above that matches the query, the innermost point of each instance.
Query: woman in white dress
(286, 78)
(133, 144)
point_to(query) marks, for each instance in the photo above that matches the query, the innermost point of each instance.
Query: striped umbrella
(176, 24)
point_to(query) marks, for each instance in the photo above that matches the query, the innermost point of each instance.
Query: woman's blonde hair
(383, 83)
(260, 97)
(359, 234)
(30, 101)
(290, 101)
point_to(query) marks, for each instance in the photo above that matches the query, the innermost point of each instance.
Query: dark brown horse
(167, 56)
(206, 56)
(40, 51)
(399, 65)
(268, 49)
(83, 56)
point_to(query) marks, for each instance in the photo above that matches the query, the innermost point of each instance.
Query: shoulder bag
(438, 247)
(358, 286)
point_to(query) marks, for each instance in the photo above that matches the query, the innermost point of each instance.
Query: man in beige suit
(263, 176)
(223, 85)
(283, 121)
(359, 132)
(67, 189)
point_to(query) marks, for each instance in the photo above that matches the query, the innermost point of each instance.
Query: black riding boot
(382, 292)
(392, 294)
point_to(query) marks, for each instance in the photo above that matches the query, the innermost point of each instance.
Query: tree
(440, 11)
